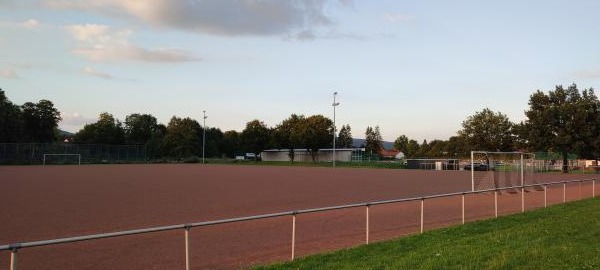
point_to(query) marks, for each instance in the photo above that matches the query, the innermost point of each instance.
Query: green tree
(423, 149)
(437, 149)
(182, 138)
(457, 147)
(288, 134)
(230, 144)
(255, 137)
(373, 141)
(106, 130)
(412, 149)
(139, 128)
(214, 136)
(40, 121)
(317, 133)
(488, 131)
(401, 143)
(344, 139)
(154, 146)
(11, 125)
(564, 121)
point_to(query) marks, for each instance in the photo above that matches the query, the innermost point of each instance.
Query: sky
(416, 68)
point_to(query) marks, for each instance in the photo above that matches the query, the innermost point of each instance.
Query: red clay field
(48, 202)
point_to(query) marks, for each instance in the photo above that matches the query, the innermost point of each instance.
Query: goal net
(62, 159)
(492, 170)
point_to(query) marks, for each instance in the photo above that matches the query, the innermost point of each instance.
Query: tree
(154, 145)
(10, 120)
(107, 130)
(564, 120)
(288, 134)
(423, 149)
(373, 140)
(182, 138)
(40, 121)
(401, 143)
(139, 128)
(344, 139)
(488, 131)
(214, 136)
(457, 147)
(230, 144)
(255, 136)
(317, 133)
(412, 149)
(437, 149)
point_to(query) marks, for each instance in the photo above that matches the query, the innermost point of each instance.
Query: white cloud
(93, 72)
(216, 17)
(8, 74)
(589, 74)
(9, 4)
(74, 121)
(390, 17)
(101, 43)
(30, 24)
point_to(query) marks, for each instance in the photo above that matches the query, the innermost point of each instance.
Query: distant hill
(361, 142)
(64, 133)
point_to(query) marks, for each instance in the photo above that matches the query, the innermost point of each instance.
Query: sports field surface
(48, 202)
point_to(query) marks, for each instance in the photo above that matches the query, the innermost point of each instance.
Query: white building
(303, 155)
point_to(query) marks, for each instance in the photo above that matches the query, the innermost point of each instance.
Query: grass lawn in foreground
(560, 237)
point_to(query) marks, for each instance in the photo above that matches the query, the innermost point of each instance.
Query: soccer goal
(62, 159)
(492, 170)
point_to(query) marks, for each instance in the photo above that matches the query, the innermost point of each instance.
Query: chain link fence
(33, 153)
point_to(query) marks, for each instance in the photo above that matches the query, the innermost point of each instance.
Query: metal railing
(14, 248)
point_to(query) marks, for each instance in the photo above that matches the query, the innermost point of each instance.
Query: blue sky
(417, 68)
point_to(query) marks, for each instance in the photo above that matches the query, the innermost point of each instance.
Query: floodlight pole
(203, 134)
(334, 104)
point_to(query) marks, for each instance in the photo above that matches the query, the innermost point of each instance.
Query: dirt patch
(47, 202)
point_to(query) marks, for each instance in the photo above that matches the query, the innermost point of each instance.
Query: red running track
(48, 202)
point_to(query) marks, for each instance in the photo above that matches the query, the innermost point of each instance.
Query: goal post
(62, 158)
(492, 170)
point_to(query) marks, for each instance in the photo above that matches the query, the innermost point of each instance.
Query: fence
(33, 153)
(14, 248)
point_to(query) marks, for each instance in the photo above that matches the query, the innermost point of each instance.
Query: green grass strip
(560, 237)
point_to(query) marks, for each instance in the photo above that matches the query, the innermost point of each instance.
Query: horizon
(415, 69)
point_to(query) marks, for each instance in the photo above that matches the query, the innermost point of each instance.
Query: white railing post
(463, 208)
(293, 235)
(422, 208)
(13, 259)
(496, 202)
(522, 199)
(594, 188)
(187, 248)
(545, 196)
(367, 225)
(564, 192)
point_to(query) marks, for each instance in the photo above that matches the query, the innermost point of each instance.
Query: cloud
(8, 4)
(8, 74)
(310, 36)
(215, 17)
(390, 17)
(73, 121)
(100, 43)
(30, 24)
(588, 74)
(93, 72)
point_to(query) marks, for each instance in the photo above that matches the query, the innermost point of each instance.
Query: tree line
(563, 120)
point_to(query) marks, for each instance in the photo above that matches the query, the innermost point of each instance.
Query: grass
(560, 237)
